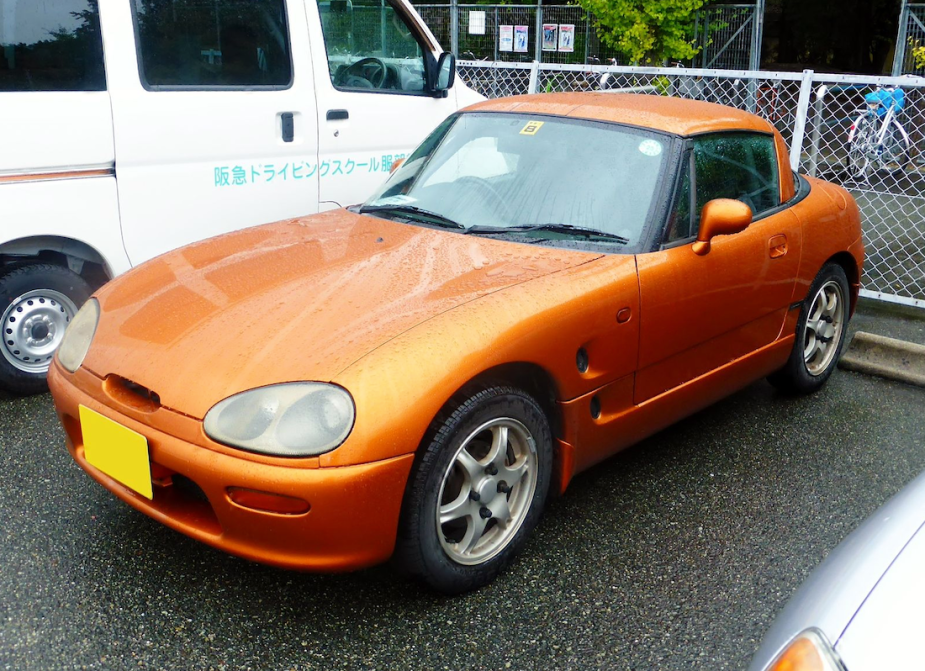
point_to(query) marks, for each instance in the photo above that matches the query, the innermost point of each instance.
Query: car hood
(295, 300)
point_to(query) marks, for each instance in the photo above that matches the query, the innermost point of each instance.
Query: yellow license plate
(119, 452)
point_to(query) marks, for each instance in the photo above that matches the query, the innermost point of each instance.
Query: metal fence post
(497, 35)
(534, 77)
(799, 127)
(899, 55)
(706, 37)
(587, 35)
(817, 131)
(454, 27)
(757, 35)
(538, 38)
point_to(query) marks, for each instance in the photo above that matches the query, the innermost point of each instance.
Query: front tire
(820, 335)
(38, 302)
(477, 490)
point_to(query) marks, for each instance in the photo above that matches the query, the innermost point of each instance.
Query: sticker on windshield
(650, 147)
(531, 128)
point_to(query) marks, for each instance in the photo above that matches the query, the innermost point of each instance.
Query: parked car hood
(884, 633)
(295, 300)
(834, 593)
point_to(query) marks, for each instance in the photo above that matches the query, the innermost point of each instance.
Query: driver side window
(370, 47)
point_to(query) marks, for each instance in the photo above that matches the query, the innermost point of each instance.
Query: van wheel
(38, 302)
(477, 490)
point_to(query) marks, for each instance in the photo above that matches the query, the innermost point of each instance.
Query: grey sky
(33, 20)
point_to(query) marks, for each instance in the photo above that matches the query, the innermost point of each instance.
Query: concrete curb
(887, 357)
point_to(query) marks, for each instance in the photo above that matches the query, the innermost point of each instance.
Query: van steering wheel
(365, 73)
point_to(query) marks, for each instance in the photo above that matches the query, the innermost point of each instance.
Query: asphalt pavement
(675, 554)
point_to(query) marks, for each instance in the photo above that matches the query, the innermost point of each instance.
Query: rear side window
(207, 44)
(51, 46)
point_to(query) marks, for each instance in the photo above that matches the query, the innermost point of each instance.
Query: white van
(130, 127)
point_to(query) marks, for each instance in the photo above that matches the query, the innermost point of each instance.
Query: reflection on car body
(545, 281)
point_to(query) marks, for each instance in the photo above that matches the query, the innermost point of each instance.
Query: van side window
(370, 46)
(205, 44)
(51, 46)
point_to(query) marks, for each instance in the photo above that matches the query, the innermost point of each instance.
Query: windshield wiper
(567, 229)
(415, 213)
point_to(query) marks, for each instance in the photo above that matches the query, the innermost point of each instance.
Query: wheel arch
(528, 377)
(852, 272)
(69, 253)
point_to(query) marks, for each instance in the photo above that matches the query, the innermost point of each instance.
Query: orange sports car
(545, 281)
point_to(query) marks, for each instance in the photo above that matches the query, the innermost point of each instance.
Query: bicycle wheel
(896, 148)
(862, 147)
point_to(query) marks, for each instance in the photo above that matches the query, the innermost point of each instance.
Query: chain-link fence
(729, 35)
(876, 153)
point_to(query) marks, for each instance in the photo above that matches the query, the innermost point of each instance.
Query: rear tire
(37, 303)
(820, 336)
(895, 149)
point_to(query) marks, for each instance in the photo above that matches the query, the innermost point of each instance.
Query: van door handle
(288, 126)
(337, 115)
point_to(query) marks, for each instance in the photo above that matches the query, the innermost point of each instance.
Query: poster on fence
(506, 38)
(476, 23)
(521, 37)
(550, 36)
(566, 37)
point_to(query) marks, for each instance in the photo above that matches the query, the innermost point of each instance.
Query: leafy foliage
(647, 31)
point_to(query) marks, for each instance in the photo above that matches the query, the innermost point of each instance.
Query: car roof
(678, 116)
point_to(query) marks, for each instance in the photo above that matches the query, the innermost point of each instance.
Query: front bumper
(353, 517)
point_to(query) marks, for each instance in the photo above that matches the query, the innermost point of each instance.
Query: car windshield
(534, 178)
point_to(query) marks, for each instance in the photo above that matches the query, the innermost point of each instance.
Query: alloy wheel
(486, 491)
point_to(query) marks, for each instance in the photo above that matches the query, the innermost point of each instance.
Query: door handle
(288, 126)
(337, 115)
(777, 246)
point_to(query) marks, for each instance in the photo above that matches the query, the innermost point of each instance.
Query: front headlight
(810, 651)
(78, 336)
(297, 419)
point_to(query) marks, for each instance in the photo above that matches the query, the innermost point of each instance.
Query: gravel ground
(676, 554)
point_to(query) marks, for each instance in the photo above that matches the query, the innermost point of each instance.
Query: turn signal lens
(267, 501)
(809, 651)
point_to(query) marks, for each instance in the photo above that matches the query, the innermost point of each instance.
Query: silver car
(863, 608)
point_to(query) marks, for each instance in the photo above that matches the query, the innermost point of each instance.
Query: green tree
(647, 31)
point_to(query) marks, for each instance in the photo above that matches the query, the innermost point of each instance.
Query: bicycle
(877, 140)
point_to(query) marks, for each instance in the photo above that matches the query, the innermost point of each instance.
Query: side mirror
(722, 216)
(397, 162)
(441, 78)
